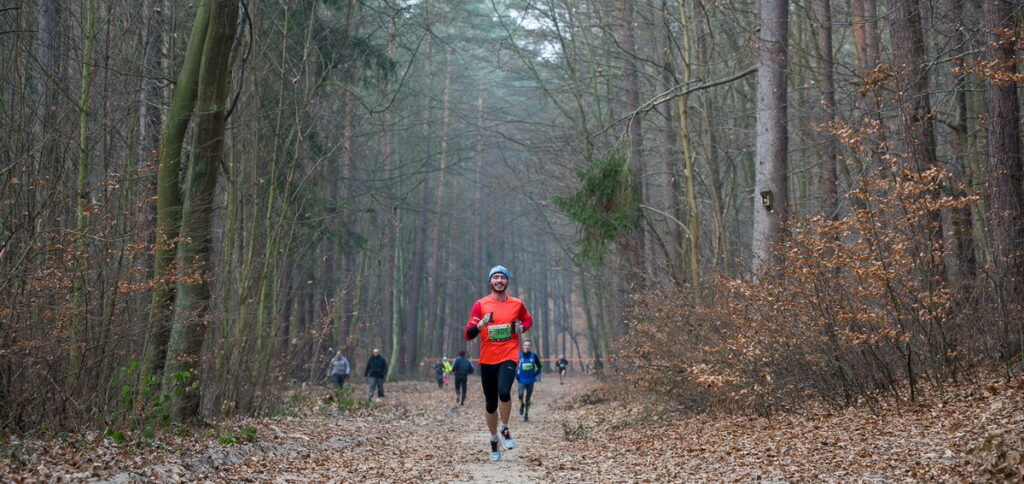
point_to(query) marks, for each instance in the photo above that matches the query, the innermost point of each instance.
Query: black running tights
(497, 383)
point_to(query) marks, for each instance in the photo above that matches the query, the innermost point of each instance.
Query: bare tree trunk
(192, 302)
(417, 276)
(396, 275)
(349, 263)
(1006, 200)
(771, 198)
(593, 336)
(436, 282)
(419, 237)
(150, 102)
(915, 126)
(478, 198)
(867, 43)
(829, 174)
(720, 242)
(45, 83)
(168, 203)
(963, 257)
(865, 32)
(632, 87)
(667, 181)
(692, 221)
(80, 285)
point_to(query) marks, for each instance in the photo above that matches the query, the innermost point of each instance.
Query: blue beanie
(496, 270)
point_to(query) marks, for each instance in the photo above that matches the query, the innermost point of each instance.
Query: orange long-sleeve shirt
(498, 340)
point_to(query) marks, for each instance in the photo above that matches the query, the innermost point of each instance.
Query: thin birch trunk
(80, 285)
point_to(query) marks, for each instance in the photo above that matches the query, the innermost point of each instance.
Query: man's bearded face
(499, 283)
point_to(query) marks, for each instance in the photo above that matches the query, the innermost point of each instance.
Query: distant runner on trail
(499, 319)
(527, 374)
(376, 371)
(562, 364)
(339, 369)
(447, 369)
(439, 374)
(462, 369)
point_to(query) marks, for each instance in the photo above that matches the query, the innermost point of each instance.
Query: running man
(447, 369)
(339, 370)
(499, 319)
(439, 373)
(462, 369)
(377, 372)
(562, 365)
(529, 369)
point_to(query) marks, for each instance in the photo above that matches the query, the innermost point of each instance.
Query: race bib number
(527, 366)
(499, 332)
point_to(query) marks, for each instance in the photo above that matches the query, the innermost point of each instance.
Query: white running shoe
(495, 452)
(506, 437)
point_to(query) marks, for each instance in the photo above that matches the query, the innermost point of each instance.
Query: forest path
(534, 439)
(417, 433)
(579, 432)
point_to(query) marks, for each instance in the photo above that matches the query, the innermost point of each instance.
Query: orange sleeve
(525, 318)
(475, 315)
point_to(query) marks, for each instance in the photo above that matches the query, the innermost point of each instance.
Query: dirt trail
(417, 434)
(533, 438)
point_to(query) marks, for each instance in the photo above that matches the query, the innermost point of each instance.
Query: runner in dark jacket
(462, 369)
(376, 371)
(562, 365)
(439, 374)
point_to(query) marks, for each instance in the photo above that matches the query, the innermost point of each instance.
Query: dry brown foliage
(857, 309)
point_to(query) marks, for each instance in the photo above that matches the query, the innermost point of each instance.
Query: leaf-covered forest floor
(584, 431)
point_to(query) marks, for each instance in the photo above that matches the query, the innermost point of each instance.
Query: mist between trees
(740, 204)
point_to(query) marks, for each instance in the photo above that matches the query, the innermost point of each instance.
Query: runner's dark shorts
(496, 381)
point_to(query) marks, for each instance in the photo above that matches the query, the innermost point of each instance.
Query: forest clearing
(769, 240)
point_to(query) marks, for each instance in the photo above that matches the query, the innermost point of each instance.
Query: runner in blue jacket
(527, 374)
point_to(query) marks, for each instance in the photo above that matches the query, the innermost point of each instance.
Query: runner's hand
(483, 321)
(519, 327)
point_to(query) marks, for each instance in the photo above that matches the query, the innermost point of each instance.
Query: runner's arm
(475, 316)
(525, 318)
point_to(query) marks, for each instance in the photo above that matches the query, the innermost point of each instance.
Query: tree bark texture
(771, 190)
(915, 124)
(829, 174)
(192, 301)
(46, 84)
(168, 202)
(632, 102)
(1006, 199)
(78, 343)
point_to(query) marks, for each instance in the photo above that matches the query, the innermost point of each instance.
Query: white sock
(494, 438)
